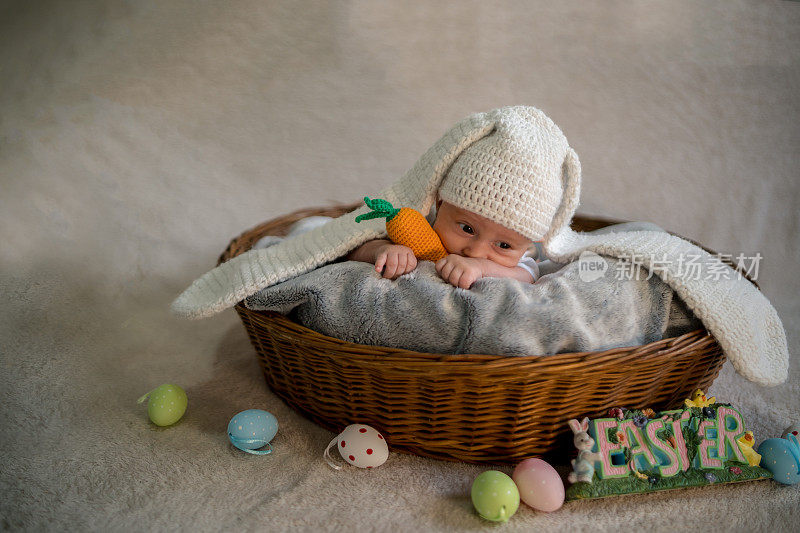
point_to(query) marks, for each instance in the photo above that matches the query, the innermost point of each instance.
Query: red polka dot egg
(362, 446)
(794, 429)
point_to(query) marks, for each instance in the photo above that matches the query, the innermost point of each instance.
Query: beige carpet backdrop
(137, 138)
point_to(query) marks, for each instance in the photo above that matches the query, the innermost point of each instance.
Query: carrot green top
(380, 208)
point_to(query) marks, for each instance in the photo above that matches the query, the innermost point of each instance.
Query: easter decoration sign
(637, 451)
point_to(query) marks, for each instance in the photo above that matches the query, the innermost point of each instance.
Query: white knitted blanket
(742, 320)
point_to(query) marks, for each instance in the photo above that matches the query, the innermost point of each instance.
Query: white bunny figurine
(583, 465)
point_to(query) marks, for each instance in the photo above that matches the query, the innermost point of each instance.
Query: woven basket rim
(563, 361)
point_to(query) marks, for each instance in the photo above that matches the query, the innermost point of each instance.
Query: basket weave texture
(466, 407)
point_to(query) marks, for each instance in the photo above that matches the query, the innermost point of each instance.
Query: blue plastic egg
(782, 458)
(253, 429)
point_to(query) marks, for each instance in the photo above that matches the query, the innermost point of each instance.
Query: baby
(514, 186)
(477, 248)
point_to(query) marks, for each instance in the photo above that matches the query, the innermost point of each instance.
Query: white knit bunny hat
(523, 175)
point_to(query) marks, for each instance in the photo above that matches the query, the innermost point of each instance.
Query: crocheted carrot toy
(408, 227)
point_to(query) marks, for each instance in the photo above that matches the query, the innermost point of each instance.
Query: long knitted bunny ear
(418, 187)
(559, 236)
(252, 271)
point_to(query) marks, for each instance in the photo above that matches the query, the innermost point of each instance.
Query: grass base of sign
(731, 473)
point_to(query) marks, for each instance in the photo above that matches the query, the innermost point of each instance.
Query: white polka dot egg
(782, 458)
(165, 404)
(252, 429)
(362, 446)
(539, 485)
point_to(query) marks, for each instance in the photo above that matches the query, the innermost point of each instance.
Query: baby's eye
(504, 245)
(466, 228)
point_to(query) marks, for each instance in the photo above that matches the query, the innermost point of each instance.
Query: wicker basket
(466, 407)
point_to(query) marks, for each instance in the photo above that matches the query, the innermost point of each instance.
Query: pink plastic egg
(539, 485)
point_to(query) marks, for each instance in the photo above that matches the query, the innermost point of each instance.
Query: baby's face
(465, 233)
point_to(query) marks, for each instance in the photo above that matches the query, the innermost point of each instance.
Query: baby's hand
(397, 259)
(460, 271)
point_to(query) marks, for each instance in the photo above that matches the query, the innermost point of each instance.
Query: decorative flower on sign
(616, 412)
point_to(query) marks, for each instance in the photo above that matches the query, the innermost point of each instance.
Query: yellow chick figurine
(699, 400)
(746, 443)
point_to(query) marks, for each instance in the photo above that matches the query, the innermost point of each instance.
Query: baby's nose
(476, 250)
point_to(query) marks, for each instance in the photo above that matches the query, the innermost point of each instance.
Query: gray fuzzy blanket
(561, 312)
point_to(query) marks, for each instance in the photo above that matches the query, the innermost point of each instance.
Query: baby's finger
(380, 262)
(410, 266)
(446, 270)
(391, 266)
(402, 261)
(455, 278)
(466, 280)
(440, 264)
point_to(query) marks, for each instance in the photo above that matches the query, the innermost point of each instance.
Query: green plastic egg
(495, 496)
(166, 405)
